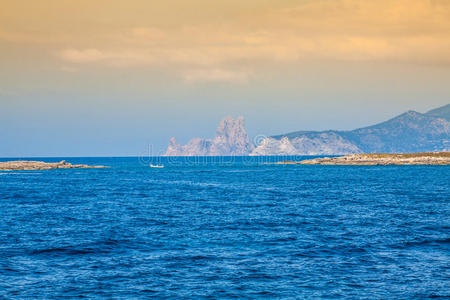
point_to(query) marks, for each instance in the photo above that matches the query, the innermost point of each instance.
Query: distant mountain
(231, 139)
(408, 132)
(440, 112)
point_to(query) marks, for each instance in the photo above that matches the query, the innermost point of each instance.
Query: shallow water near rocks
(225, 228)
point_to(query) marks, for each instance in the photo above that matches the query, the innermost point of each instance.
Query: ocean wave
(20, 173)
(102, 246)
(444, 241)
(192, 183)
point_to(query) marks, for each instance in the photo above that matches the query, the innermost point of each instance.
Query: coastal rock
(432, 158)
(173, 148)
(40, 165)
(307, 144)
(197, 146)
(231, 139)
(272, 146)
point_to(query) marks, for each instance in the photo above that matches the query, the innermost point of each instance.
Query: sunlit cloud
(405, 31)
(341, 29)
(83, 56)
(215, 75)
(115, 58)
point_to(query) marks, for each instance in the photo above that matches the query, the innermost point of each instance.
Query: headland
(427, 158)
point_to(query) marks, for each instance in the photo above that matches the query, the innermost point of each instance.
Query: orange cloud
(215, 75)
(218, 41)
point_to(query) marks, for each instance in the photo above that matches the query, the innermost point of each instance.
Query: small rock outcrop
(231, 139)
(40, 165)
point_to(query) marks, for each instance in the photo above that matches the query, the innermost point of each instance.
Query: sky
(117, 78)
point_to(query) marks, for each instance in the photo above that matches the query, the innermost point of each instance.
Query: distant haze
(110, 78)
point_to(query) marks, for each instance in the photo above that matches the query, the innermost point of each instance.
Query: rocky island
(231, 139)
(20, 165)
(429, 158)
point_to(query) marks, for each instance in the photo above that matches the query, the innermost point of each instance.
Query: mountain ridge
(440, 112)
(408, 132)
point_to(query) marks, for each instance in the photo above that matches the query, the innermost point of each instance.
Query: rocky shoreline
(429, 158)
(40, 165)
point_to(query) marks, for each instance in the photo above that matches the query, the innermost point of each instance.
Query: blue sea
(224, 228)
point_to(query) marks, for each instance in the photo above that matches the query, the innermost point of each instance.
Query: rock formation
(406, 133)
(231, 139)
(307, 143)
(40, 165)
(433, 158)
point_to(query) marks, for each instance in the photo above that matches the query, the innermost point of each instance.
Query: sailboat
(156, 166)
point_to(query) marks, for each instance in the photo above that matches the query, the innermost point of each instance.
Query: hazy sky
(110, 77)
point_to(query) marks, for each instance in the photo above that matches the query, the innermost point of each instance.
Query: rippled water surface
(239, 229)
